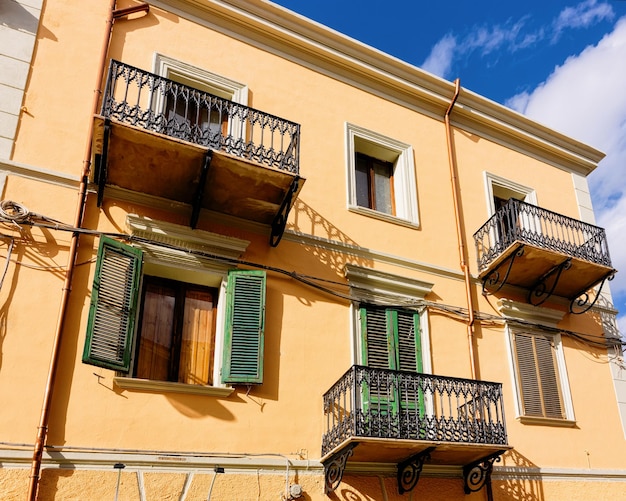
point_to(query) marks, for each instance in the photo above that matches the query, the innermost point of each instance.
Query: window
(191, 115)
(538, 363)
(381, 177)
(176, 332)
(535, 357)
(374, 184)
(390, 338)
(176, 335)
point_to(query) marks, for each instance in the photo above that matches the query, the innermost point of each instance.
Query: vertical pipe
(459, 229)
(42, 430)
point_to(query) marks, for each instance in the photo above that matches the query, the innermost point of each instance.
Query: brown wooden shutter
(538, 376)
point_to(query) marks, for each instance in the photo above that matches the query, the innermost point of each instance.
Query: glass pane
(362, 182)
(197, 349)
(382, 187)
(157, 324)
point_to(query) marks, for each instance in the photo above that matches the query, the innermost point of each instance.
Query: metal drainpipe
(42, 430)
(460, 235)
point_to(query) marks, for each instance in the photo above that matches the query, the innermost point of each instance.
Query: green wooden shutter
(245, 322)
(112, 311)
(408, 341)
(375, 342)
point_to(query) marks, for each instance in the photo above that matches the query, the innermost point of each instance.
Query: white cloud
(512, 36)
(584, 98)
(439, 61)
(582, 15)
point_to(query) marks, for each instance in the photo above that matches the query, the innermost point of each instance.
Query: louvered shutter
(536, 365)
(375, 339)
(550, 389)
(111, 323)
(409, 352)
(245, 322)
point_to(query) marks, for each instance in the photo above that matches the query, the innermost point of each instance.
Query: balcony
(407, 418)
(158, 137)
(543, 253)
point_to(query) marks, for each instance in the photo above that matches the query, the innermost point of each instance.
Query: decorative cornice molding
(307, 42)
(367, 282)
(515, 310)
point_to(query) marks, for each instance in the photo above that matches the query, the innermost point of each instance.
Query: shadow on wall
(310, 222)
(520, 483)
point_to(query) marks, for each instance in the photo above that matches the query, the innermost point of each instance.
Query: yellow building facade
(249, 258)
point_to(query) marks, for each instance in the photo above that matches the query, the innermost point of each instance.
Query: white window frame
(169, 67)
(361, 140)
(494, 183)
(513, 311)
(204, 80)
(169, 262)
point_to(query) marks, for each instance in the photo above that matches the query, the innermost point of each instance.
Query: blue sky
(562, 63)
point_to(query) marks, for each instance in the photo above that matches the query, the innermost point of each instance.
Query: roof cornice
(347, 59)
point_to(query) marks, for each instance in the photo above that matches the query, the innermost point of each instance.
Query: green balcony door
(391, 340)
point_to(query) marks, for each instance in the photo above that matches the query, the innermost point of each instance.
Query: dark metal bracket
(280, 220)
(540, 289)
(582, 301)
(334, 467)
(410, 469)
(197, 200)
(478, 474)
(492, 279)
(100, 175)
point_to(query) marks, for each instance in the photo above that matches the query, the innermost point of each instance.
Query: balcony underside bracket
(334, 467)
(410, 469)
(197, 201)
(581, 304)
(478, 474)
(102, 161)
(280, 220)
(540, 292)
(493, 279)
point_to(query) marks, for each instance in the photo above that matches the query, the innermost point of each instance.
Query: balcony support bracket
(102, 161)
(410, 469)
(581, 303)
(539, 293)
(280, 220)
(493, 279)
(477, 475)
(334, 467)
(197, 200)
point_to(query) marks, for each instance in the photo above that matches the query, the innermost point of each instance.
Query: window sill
(385, 217)
(566, 423)
(128, 383)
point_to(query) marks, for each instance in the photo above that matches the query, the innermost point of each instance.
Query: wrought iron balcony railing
(526, 223)
(158, 104)
(388, 404)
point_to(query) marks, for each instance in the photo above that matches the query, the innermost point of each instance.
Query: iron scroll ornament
(478, 474)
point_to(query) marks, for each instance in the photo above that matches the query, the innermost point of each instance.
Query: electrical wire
(15, 213)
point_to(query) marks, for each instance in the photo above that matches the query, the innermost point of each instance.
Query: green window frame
(115, 297)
